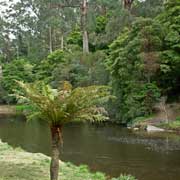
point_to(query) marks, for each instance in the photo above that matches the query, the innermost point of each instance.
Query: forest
(112, 63)
(131, 46)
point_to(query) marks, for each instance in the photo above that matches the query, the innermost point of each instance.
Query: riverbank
(170, 126)
(7, 109)
(159, 119)
(16, 164)
(165, 116)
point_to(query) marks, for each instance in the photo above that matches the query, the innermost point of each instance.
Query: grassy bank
(174, 125)
(143, 122)
(16, 164)
(165, 116)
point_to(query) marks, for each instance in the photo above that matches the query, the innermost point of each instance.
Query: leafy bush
(140, 98)
(174, 125)
(124, 177)
(101, 22)
(178, 118)
(75, 37)
(133, 63)
(44, 69)
(56, 57)
(144, 63)
(19, 69)
(81, 70)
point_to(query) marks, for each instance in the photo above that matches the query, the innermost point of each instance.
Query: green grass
(125, 177)
(22, 107)
(140, 121)
(178, 118)
(174, 125)
(16, 164)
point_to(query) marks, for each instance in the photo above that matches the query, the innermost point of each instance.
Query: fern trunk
(56, 140)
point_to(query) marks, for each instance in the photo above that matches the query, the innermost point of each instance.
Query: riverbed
(105, 147)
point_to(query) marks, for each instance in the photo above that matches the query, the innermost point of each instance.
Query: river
(104, 147)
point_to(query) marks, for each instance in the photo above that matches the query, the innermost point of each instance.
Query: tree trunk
(7, 49)
(56, 135)
(84, 26)
(62, 42)
(163, 107)
(85, 42)
(128, 4)
(28, 48)
(1, 72)
(50, 40)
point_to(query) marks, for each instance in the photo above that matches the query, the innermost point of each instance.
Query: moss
(16, 164)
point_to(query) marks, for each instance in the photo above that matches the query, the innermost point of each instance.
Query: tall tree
(58, 107)
(128, 4)
(84, 8)
(83, 5)
(133, 63)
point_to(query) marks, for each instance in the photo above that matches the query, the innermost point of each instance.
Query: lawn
(16, 164)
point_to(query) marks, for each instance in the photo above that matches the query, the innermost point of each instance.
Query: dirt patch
(7, 110)
(165, 113)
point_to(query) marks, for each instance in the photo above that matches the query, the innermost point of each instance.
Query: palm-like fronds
(65, 104)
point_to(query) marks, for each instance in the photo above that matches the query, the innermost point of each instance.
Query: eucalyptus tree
(35, 27)
(148, 8)
(84, 9)
(21, 19)
(57, 107)
(6, 48)
(82, 6)
(1, 41)
(128, 4)
(117, 17)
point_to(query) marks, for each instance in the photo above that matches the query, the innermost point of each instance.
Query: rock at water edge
(151, 128)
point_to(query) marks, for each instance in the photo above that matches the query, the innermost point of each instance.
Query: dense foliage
(64, 105)
(144, 63)
(134, 50)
